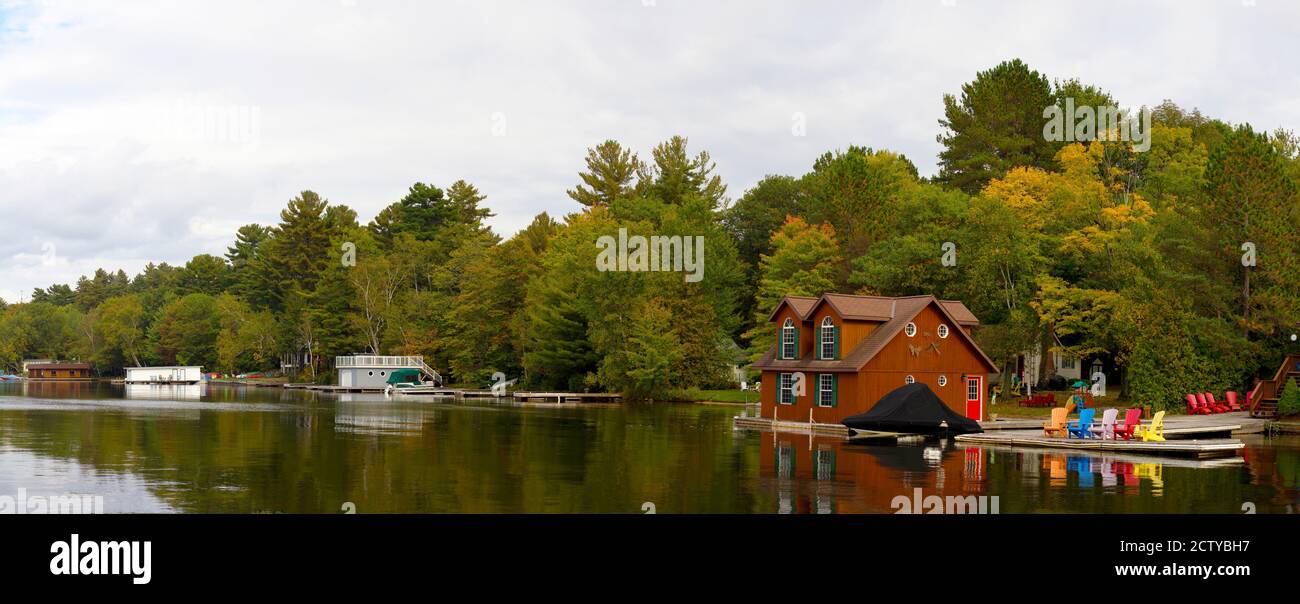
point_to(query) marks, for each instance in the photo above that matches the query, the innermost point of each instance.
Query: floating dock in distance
(569, 397)
(327, 388)
(1198, 449)
(546, 397)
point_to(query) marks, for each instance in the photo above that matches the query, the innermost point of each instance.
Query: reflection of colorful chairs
(1083, 427)
(1150, 471)
(1155, 431)
(1083, 467)
(1056, 424)
(1132, 419)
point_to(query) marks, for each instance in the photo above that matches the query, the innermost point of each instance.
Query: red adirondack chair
(1231, 395)
(1132, 418)
(1195, 408)
(1216, 405)
(1205, 403)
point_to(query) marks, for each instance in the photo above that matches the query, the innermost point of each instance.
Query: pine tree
(610, 170)
(996, 124)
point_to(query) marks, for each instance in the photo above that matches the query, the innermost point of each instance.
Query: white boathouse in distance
(191, 374)
(372, 371)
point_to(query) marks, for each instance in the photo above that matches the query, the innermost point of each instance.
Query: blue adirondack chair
(1083, 427)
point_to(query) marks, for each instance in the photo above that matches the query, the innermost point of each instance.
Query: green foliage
(995, 125)
(804, 262)
(610, 170)
(1087, 249)
(188, 330)
(1289, 401)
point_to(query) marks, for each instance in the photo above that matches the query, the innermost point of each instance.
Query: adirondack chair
(1231, 395)
(1132, 419)
(1216, 405)
(1083, 427)
(1195, 408)
(1056, 425)
(1155, 431)
(1205, 402)
(1108, 424)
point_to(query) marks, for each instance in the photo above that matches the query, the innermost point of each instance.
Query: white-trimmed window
(909, 379)
(972, 390)
(943, 330)
(828, 338)
(943, 381)
(788, 344)
(826, 390)
(910, 329)
(785, 389)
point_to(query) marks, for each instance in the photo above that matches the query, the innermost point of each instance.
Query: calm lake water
(264, 450)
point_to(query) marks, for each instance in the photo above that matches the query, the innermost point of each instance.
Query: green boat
(404, 378)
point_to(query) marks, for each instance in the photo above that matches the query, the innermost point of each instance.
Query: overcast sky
(138, 131)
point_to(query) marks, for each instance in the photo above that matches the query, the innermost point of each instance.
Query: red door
(975, 397)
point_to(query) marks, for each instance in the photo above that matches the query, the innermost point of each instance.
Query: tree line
(1177, 267)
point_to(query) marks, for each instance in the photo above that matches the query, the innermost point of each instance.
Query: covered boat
(404, 377)
(913, 409)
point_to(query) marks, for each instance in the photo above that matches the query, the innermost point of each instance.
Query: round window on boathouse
(943, 380)
(943, 332)
(910, 380)
(911, 331)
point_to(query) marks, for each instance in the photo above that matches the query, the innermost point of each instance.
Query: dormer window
(829, 339)
(789, 339)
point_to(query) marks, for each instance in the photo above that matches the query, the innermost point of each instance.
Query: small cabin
(836, 355)
(191, 374)
(59, 371)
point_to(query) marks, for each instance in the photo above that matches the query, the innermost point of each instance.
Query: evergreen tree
(995, 125)
(610, 170)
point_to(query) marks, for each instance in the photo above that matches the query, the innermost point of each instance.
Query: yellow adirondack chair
(1056, 425)
(1155, 431)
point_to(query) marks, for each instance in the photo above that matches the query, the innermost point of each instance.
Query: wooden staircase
(1263, 399)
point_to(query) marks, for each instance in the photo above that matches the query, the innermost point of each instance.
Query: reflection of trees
(391, 457)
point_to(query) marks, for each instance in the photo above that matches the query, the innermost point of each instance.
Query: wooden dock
(743, 422)
(521, 396)
(1198, 449)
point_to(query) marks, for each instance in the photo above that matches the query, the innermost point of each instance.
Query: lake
(235, 449)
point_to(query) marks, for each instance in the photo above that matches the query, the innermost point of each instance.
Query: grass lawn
(717, 396)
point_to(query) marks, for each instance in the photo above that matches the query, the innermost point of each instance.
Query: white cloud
(112, 147)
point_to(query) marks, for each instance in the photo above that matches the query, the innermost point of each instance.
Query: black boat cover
(912, 409)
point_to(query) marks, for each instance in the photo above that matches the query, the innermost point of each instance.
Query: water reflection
(165, 392)
(818, 474)
(245, 449)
